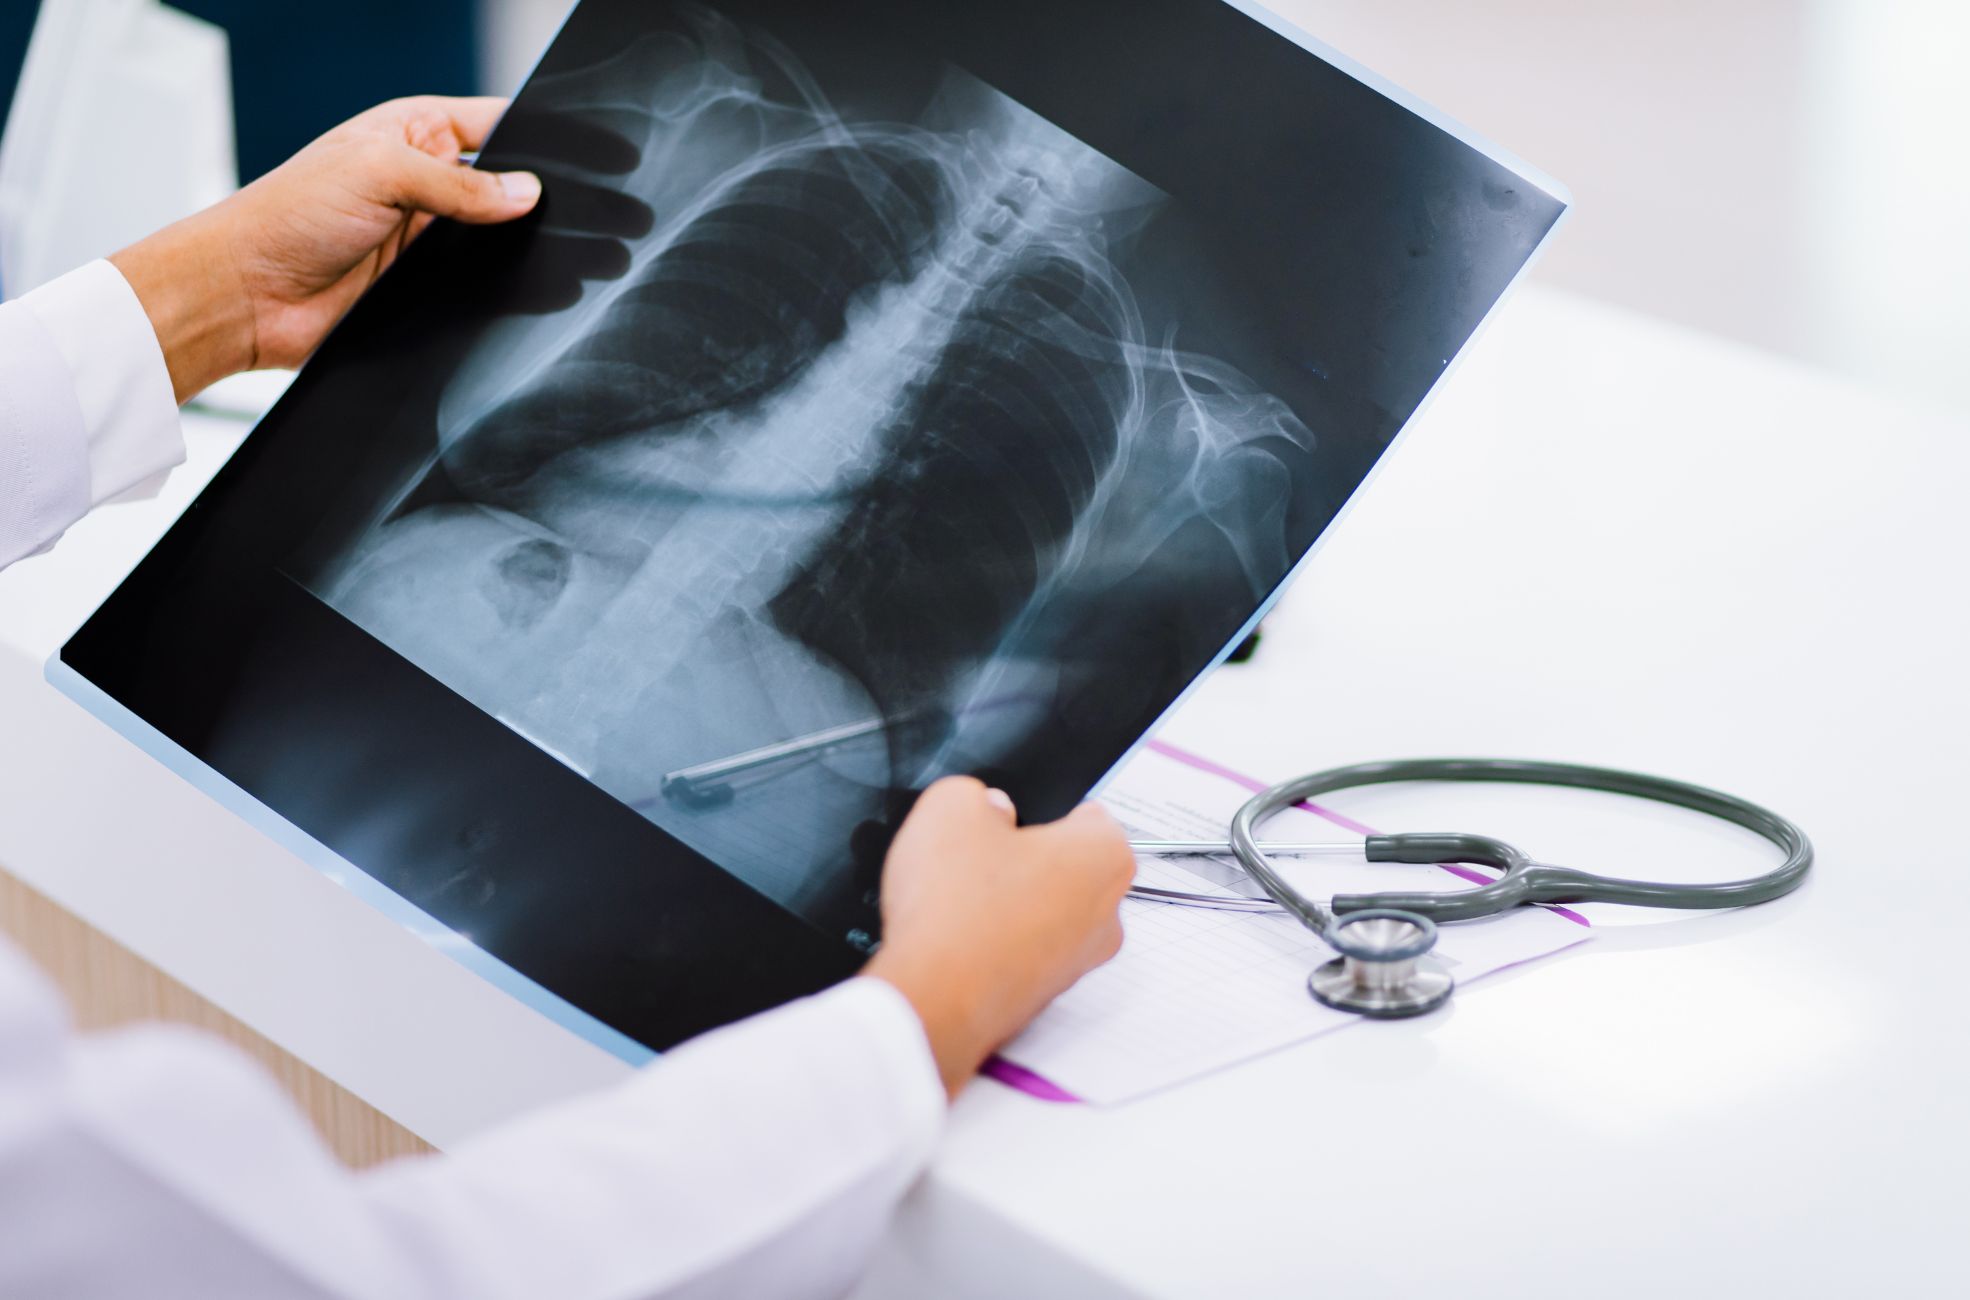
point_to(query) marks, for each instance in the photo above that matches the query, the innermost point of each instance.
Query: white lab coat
(761, 1160)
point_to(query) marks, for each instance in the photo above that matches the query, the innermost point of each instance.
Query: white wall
(1793, 173)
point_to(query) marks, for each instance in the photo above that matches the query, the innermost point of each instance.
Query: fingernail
(522, 188)
(1001, 800)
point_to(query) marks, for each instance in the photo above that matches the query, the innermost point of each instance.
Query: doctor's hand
(985, 923)
(259, 279)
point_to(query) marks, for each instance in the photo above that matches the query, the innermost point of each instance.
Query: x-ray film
(885, 445)
(880, 393)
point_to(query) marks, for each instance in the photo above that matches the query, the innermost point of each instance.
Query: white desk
(1655, 550)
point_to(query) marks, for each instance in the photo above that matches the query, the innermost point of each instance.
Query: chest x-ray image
(888, 431)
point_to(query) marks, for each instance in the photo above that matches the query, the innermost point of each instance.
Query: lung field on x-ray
(869, 449)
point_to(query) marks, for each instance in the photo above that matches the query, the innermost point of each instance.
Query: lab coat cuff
(44, 466)
(129, 412)
(860, 1044)
(897, 1039)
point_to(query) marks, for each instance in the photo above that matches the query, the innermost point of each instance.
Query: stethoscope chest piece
(1384, 970)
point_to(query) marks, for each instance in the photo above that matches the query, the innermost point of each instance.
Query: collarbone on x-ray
(884, 440)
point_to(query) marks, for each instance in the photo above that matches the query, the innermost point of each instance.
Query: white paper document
(1194, 990)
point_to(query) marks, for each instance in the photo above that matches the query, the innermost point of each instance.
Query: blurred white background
(1793, 174)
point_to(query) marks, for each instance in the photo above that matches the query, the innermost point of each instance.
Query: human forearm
(189, 284)
(961, 1018)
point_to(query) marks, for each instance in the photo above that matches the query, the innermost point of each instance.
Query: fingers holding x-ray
(579, 233)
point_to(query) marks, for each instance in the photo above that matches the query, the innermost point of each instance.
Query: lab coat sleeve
(758, 1161)
(762, 1160)
(87, 414)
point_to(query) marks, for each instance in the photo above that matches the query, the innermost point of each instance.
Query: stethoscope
(1384, 970)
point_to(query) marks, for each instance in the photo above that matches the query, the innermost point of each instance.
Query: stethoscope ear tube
(1524, 880)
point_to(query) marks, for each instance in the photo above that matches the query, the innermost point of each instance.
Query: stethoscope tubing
(1523, 880)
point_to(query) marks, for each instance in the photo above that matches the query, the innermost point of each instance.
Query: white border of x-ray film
(558, 1009)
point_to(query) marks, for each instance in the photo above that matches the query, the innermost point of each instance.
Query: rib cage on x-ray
(869, 429)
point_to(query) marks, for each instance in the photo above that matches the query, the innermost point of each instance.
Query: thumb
(447, 189)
